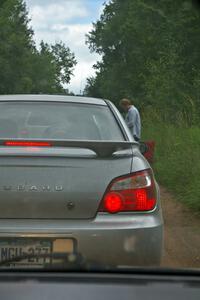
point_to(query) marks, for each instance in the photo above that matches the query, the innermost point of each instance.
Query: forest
(151, 54)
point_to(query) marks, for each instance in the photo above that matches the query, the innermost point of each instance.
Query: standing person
(132, 118)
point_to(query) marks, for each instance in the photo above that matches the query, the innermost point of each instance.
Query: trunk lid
(58, 182)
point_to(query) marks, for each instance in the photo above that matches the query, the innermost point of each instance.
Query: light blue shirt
(133, 121)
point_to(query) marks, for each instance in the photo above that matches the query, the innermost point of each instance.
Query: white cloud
(82, 71)
(63, 21)
(73, 33)
(43, 16)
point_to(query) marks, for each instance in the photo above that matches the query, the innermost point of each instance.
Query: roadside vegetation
(150, 54)
(177, 156)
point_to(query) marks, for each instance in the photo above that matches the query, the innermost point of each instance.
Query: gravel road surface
(181, 234)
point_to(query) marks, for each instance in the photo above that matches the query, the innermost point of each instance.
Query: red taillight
(26, 144)
(113, 202)
(135, 192)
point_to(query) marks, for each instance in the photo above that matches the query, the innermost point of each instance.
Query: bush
(177, 157)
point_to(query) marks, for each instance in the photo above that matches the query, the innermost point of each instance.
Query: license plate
(15, 248)
(22, 247)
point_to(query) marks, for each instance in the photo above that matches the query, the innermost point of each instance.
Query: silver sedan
(73, 180)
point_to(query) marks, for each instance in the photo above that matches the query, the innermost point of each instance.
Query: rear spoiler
(101, 148)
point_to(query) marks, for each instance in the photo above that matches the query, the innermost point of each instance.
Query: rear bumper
(132, 247)
(108, 240)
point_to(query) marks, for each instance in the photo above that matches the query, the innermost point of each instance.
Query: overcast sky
(67, 21)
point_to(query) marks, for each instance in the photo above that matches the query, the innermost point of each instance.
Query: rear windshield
(33, 120)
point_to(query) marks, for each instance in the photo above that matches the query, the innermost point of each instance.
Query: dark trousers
(136, 138)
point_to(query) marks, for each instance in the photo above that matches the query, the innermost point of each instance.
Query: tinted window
(57, 121)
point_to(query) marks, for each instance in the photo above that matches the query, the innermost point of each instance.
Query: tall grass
(177, 156)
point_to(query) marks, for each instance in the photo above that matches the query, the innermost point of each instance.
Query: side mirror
(143, 148)
(147, 148)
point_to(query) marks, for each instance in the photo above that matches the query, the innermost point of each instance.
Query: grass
(177, 157)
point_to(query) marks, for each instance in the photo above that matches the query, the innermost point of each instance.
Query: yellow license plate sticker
(63, 246)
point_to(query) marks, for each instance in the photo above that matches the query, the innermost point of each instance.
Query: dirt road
(182, 234)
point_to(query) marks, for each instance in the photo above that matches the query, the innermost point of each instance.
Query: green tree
(24, 68)
(149, 53)
(15, 48)
(52, 67)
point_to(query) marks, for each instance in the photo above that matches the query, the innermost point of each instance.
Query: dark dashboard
(112, 286)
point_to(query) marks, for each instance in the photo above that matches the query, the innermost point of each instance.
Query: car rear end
(72, 180)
